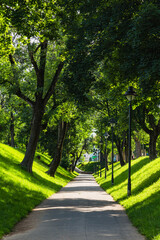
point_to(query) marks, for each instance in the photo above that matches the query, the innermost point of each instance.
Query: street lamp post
(130, 94)
(99, 161)
(106, 135)
(112, 123)
(100, 157)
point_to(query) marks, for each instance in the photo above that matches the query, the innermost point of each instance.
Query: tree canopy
(68, 61)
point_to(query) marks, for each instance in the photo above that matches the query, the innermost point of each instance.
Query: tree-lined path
(80, 211)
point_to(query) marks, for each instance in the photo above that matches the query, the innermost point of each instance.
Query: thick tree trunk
(55, 163)
(34, 136)
(12, 130)
(138, 147)
(152, 145)
(142, 114)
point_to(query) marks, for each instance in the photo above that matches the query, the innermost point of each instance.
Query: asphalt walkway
(80, 211)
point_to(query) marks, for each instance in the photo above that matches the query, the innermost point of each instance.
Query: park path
(80, 211)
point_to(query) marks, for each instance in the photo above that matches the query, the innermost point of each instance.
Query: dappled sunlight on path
(80, 211)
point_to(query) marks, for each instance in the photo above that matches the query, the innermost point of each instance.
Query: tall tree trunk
(152, 145)
(40, 100)
(143, 113)
(55, 163)
(138, 147)
(12, 130)
(34, 136)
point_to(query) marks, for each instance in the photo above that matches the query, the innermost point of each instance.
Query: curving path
(80, 211)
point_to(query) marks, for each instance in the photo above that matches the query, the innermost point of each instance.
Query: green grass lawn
(143, 206)
(20, 191)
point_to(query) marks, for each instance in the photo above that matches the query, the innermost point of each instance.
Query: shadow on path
(80, 211)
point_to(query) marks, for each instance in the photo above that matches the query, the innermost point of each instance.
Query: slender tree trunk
(34, 136)
(12, 130)
(55, 163)
(120, 152)
(74, 163)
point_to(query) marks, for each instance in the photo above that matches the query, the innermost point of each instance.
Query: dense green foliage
(20, 191)
(69, 63)
(83, 53)
(142, 206)
(87, 166)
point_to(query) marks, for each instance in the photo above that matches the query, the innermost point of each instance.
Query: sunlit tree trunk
(41, 99)
(62, 130)
(34, 136)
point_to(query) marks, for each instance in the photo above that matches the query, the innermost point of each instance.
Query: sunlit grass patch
(20, 191)
(142, 206)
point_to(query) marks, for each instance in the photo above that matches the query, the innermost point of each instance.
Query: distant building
(93, 157)
(86, 156)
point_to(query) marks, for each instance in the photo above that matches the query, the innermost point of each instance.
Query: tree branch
(18, 90)
(22, 96)
(43, 54)
(53, 84)
(37, 48)
(34, 62)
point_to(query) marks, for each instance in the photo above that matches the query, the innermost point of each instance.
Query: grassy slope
(20, 192)
(87, 166)
(143, 207)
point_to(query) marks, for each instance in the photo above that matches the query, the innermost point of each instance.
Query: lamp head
(112, 122)
(106, 135)
(130, 94)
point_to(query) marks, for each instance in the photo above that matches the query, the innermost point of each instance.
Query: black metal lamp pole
(105, 165)
(130, 94)
(106, 135)
(129, 149)
(112, 122)
(101, 144)
(112, 157)
(99, 162)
